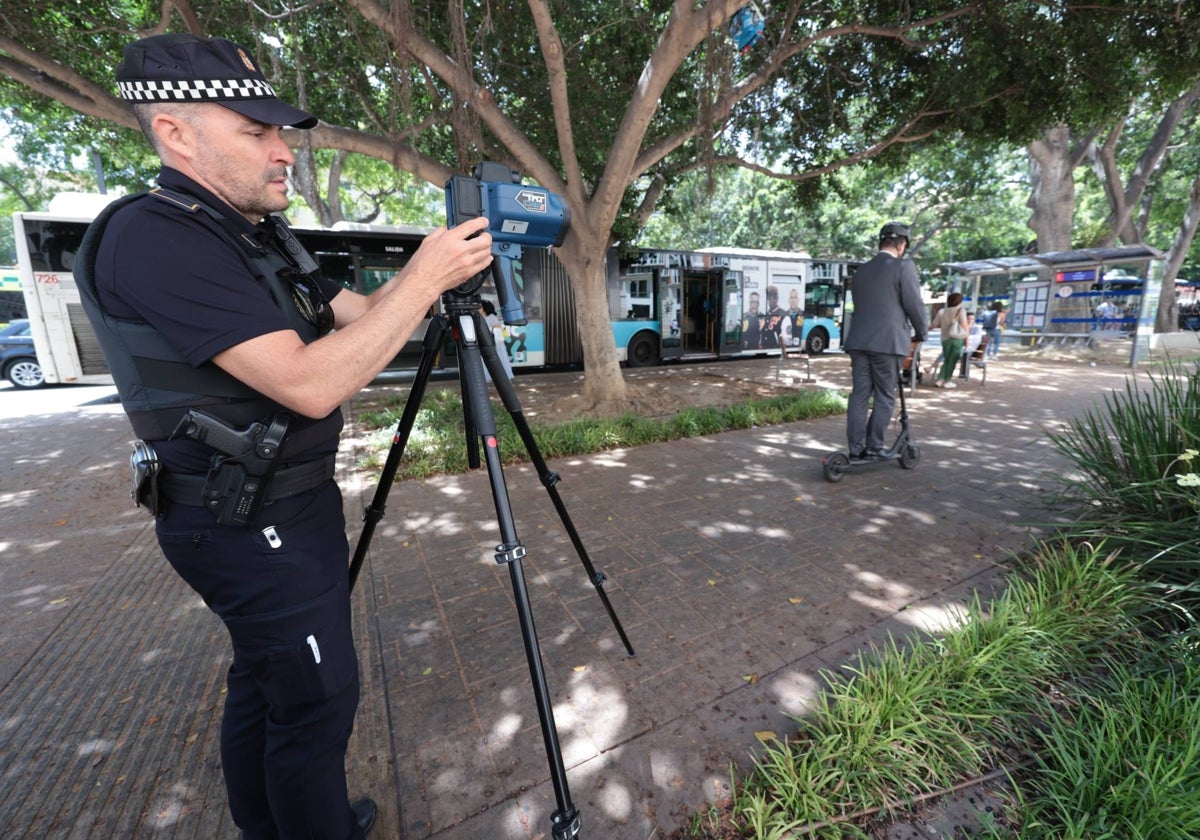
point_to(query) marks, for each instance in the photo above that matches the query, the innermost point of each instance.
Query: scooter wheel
(835, 466)
(910, 454)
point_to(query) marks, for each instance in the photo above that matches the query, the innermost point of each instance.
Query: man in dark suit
(888, 315)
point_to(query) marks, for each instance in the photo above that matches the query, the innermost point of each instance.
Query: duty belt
(188, 489)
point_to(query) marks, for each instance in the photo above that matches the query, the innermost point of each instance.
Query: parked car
(17, 359)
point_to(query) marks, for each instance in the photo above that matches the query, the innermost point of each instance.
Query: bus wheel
(817, 342)
(643, 350)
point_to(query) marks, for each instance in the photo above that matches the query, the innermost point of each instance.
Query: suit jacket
(888, 310)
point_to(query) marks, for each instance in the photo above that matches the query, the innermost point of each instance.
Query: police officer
(204, 303)
(888, 314)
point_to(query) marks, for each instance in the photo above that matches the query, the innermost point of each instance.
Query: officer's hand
(449, 258)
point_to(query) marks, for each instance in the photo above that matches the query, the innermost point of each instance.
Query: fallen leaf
(427, 671)
(579, 668)
(712, 582)
(751, 678)
(191, 739)
(796, 600)
(59, 601)
(765, 735)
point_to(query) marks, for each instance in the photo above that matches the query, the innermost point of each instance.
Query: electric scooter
(904, 449)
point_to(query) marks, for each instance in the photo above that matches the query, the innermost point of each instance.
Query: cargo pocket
(301, 654)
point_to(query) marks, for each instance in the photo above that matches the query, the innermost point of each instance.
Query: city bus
(665, 305)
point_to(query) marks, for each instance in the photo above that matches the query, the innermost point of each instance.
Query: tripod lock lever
(508, 553)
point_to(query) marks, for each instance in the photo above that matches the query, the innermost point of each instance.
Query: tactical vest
(157, 385)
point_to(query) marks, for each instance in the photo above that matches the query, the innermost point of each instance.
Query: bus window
(637, 296)
(821, 300)
(339, 268)
(372, 277)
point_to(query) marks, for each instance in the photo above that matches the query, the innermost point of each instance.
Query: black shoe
(874, 453)
(365, 811)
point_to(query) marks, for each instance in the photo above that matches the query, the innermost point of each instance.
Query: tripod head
(456, 301)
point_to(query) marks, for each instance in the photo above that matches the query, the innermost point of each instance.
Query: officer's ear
(175, 134)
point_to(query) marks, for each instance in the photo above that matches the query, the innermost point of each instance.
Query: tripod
(475, 348)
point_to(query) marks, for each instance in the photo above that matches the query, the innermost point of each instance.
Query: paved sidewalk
(738, 572)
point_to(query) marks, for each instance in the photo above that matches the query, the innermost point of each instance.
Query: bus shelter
(1061, 297)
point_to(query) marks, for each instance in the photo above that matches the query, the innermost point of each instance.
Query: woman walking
(953, 322)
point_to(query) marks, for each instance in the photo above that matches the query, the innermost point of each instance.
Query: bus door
(729, 312)
(671, 313)
(701, 301)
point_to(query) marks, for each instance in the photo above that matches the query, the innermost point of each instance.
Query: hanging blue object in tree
(746, 27)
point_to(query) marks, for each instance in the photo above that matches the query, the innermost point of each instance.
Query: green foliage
(1123, 760)
(1127, 449)
(1135, 480)
(837, 83)
(436, 443)
(910, 719)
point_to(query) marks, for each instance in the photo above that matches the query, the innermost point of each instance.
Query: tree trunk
(1052, 199)
(1123, 199)
(1167, 319)
(584, 257)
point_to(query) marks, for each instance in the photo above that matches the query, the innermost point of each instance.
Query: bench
(795, 352)
(976, 358)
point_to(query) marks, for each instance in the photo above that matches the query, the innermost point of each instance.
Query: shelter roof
(1058, 260)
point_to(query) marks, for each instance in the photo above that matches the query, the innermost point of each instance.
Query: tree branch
(462, 81)
(650, 199)
(783, 52)
(51, 79)
(401, 155)
(552, 54)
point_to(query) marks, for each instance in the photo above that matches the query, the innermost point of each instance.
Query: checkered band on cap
(210, 90)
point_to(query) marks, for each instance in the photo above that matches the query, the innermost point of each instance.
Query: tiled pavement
(737, 571)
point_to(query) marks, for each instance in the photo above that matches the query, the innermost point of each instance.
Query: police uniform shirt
(179, 272)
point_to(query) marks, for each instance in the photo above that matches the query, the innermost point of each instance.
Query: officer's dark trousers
(281, 588)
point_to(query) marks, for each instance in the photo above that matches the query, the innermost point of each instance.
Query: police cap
(188, 68)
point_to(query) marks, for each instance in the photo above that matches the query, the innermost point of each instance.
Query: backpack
(991, 319)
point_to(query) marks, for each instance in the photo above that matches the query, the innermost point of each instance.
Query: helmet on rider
(893, 231)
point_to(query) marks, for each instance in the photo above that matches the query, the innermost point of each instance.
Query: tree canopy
(611, 103)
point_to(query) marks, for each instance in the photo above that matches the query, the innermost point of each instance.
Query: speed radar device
(519, 216)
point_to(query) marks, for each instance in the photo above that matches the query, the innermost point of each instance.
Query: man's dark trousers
(873, 377)
(281, 587)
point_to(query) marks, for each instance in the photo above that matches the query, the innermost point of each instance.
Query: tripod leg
(566, 820)
(374, 512)
(470, 432)
(549, 478)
